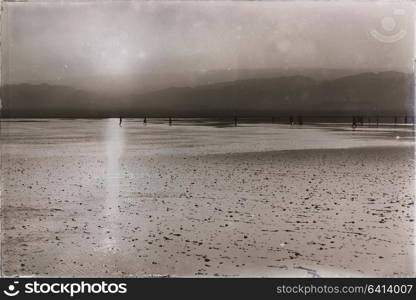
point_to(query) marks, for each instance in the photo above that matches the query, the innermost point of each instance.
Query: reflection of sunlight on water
(114, 141)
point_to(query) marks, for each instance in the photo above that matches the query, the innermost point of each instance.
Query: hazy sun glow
(113, 57)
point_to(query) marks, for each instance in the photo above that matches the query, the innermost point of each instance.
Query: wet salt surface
(88, 198)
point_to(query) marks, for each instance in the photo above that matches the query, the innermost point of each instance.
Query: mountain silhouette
(158, 78)
(384, 93)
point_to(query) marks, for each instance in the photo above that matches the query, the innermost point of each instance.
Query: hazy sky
(45, 41)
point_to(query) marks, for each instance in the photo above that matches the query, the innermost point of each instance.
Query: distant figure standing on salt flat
(121, 120)
(354, 123)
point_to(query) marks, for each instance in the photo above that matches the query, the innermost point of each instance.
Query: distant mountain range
(383, 93)
(157, 79)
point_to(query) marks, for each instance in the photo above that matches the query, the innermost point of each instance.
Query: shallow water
(194, 137)
(88, 197)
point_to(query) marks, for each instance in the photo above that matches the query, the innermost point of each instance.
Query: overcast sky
(49, 41)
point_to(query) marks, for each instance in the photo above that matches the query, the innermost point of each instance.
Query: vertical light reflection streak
(114, 144)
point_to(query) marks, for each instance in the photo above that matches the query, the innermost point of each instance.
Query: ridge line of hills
(383, 93)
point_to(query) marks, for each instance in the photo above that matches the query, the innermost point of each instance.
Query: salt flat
(90, 198)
